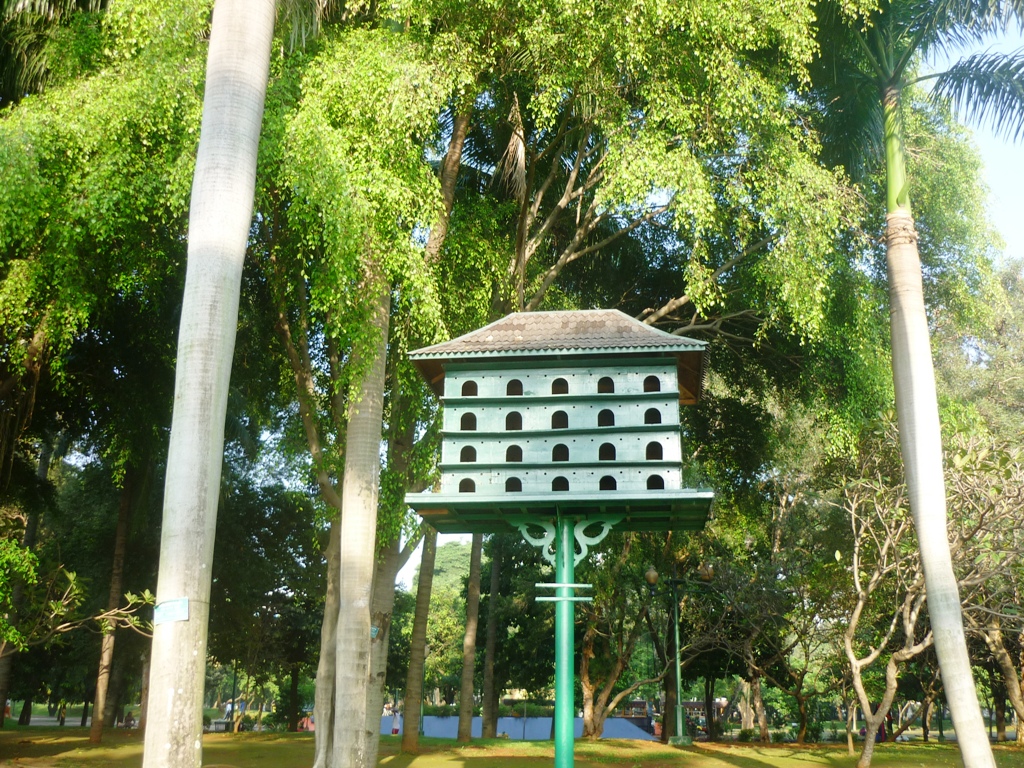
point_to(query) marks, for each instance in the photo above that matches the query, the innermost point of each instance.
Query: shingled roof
(566, 334)
(608, 330)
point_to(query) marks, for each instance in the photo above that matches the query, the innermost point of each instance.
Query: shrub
(746, 734)
(815, 729)
(532, 710)
(442, 710)
(275, 721)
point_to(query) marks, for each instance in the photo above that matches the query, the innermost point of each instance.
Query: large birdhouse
(555, 413)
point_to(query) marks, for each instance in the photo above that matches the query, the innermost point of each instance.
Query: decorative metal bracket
(584, 542)
(545, 543)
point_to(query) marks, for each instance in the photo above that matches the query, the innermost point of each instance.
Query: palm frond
(303, 18)
(513, 161)
(950, 25)
(846, 95)
(987, 87)
(48, 9)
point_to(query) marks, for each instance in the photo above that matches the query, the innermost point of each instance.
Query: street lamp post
(651, 577)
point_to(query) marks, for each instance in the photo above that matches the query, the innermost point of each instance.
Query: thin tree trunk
(867, 752)
(323, 703)
(490, 704)
(709, 707)
(293, 696)
(113, 709)
(801, 705)
(449, 175)
(25, 716)
(906, 722)
(465, 732)
(144, 695)
(124, 512)
(762, 716)
(358, 543)
(219, 223)
(993, 637)
(85, 714)
(5, 683)
(418, 644)
(921, 445)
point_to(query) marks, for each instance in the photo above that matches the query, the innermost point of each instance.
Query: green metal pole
(565, 552)
(681, 737)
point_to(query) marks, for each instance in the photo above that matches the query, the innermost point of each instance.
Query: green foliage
(400, 638)
(354, 159)
(98, 178)
(958, 243)
(17, 564)
(473, 260)
(268, 580)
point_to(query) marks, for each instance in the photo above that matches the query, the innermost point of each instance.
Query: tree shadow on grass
(44, 741)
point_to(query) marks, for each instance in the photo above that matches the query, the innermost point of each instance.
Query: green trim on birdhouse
(511, 467)
(685, 509)
(596, 431)
(595, 398)
(553, 364)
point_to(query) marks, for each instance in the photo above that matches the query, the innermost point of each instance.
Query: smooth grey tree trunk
(323, 704)
(465, 732)
(358, 543)
(219, 220)
(392, 560)
(921, 445)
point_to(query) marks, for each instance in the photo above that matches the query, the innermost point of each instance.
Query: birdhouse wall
(555, 429)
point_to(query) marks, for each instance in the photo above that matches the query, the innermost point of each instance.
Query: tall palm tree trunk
(921, 445)
(418, 644)
(219, 220)
(465, 732)
(358, 545)
(113, 601)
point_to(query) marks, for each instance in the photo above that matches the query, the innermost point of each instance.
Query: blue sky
(1004, 163)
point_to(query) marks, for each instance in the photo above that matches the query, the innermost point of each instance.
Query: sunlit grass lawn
(70, 748)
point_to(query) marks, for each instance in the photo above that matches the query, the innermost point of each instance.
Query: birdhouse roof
(592, 330)
(566, 334)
